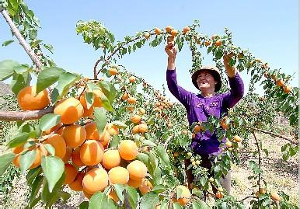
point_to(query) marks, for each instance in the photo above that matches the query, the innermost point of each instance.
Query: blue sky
(268, 29)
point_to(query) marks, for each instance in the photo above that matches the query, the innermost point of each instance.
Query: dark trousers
(206, 162)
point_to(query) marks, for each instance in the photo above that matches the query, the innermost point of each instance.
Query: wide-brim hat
(215, 73)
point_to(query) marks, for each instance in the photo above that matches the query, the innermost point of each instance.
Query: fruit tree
(119, 141)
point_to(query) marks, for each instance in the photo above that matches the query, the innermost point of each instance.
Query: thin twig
(276, 135)
(26, 115)
(259, 159)
(22, 41)
(114, 52)
(167, 141)
(245, 198)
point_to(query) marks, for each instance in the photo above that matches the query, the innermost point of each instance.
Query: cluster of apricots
(90, 166)
(279, 82)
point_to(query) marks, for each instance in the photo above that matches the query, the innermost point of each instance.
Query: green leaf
(159, 188)
(143, 157)
(157, 175)
(64, 195)
(219, 54)
(27, 159)
(163, 155)
(100, 118)
(149, 200)
(164, 204)
(114, 142)
(47, 77)
(176, 205)
(119, 124)
(33, 202)
(7, 69)
(98, 201)
(199, 204)
(133, 196)
(178, 193)
(84, 205)
(66, 80)
(48, 47)
(119, 191)
(51, 197)
(20, 81)
(53, 168)
(89, 98)
(19, 139)
(50, 149)
(148, 143)
(35, 187)
(108, 89)
(6, 43)
(32, 174)
(48, 121)
(5, 161)
(106, 103)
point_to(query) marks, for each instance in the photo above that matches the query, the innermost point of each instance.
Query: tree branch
(114, 52)
(22, 41)
(276, 135)
(26, 115)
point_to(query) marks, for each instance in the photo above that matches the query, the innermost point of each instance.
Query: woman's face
(206, 81)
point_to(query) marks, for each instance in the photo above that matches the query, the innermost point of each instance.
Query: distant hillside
(4, 89)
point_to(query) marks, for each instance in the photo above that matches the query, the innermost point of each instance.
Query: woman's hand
(171, 52)
(170, 49)
(230, 70)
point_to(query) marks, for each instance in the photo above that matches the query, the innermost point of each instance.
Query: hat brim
(214, 73)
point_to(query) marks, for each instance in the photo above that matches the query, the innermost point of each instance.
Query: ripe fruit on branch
(169, 29)
(280, 82)
(91, 152)
(218, 43)
(184, 197)
(70, 172)
(174, 33)
(111, 159)
(92, 131)
(28, 100)
(74, 135)
(95, 180)
(131, 79)
(143, 128)
(287, 89)
(131, 100)
(136, 119)
(146, 186)
(236, 138)
(157, 31)
(112, 71)
(275, 196)
(185, 30)
(137, 170)
(128, 150)
(76, 185)
(118, 175)
(146, 35)
(219, 195)
(69, 109)
(58, 143)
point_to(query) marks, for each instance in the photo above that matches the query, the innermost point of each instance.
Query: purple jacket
(200, 108)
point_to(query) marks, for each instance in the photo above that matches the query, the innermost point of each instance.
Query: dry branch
(22, 41)
(26, 115)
